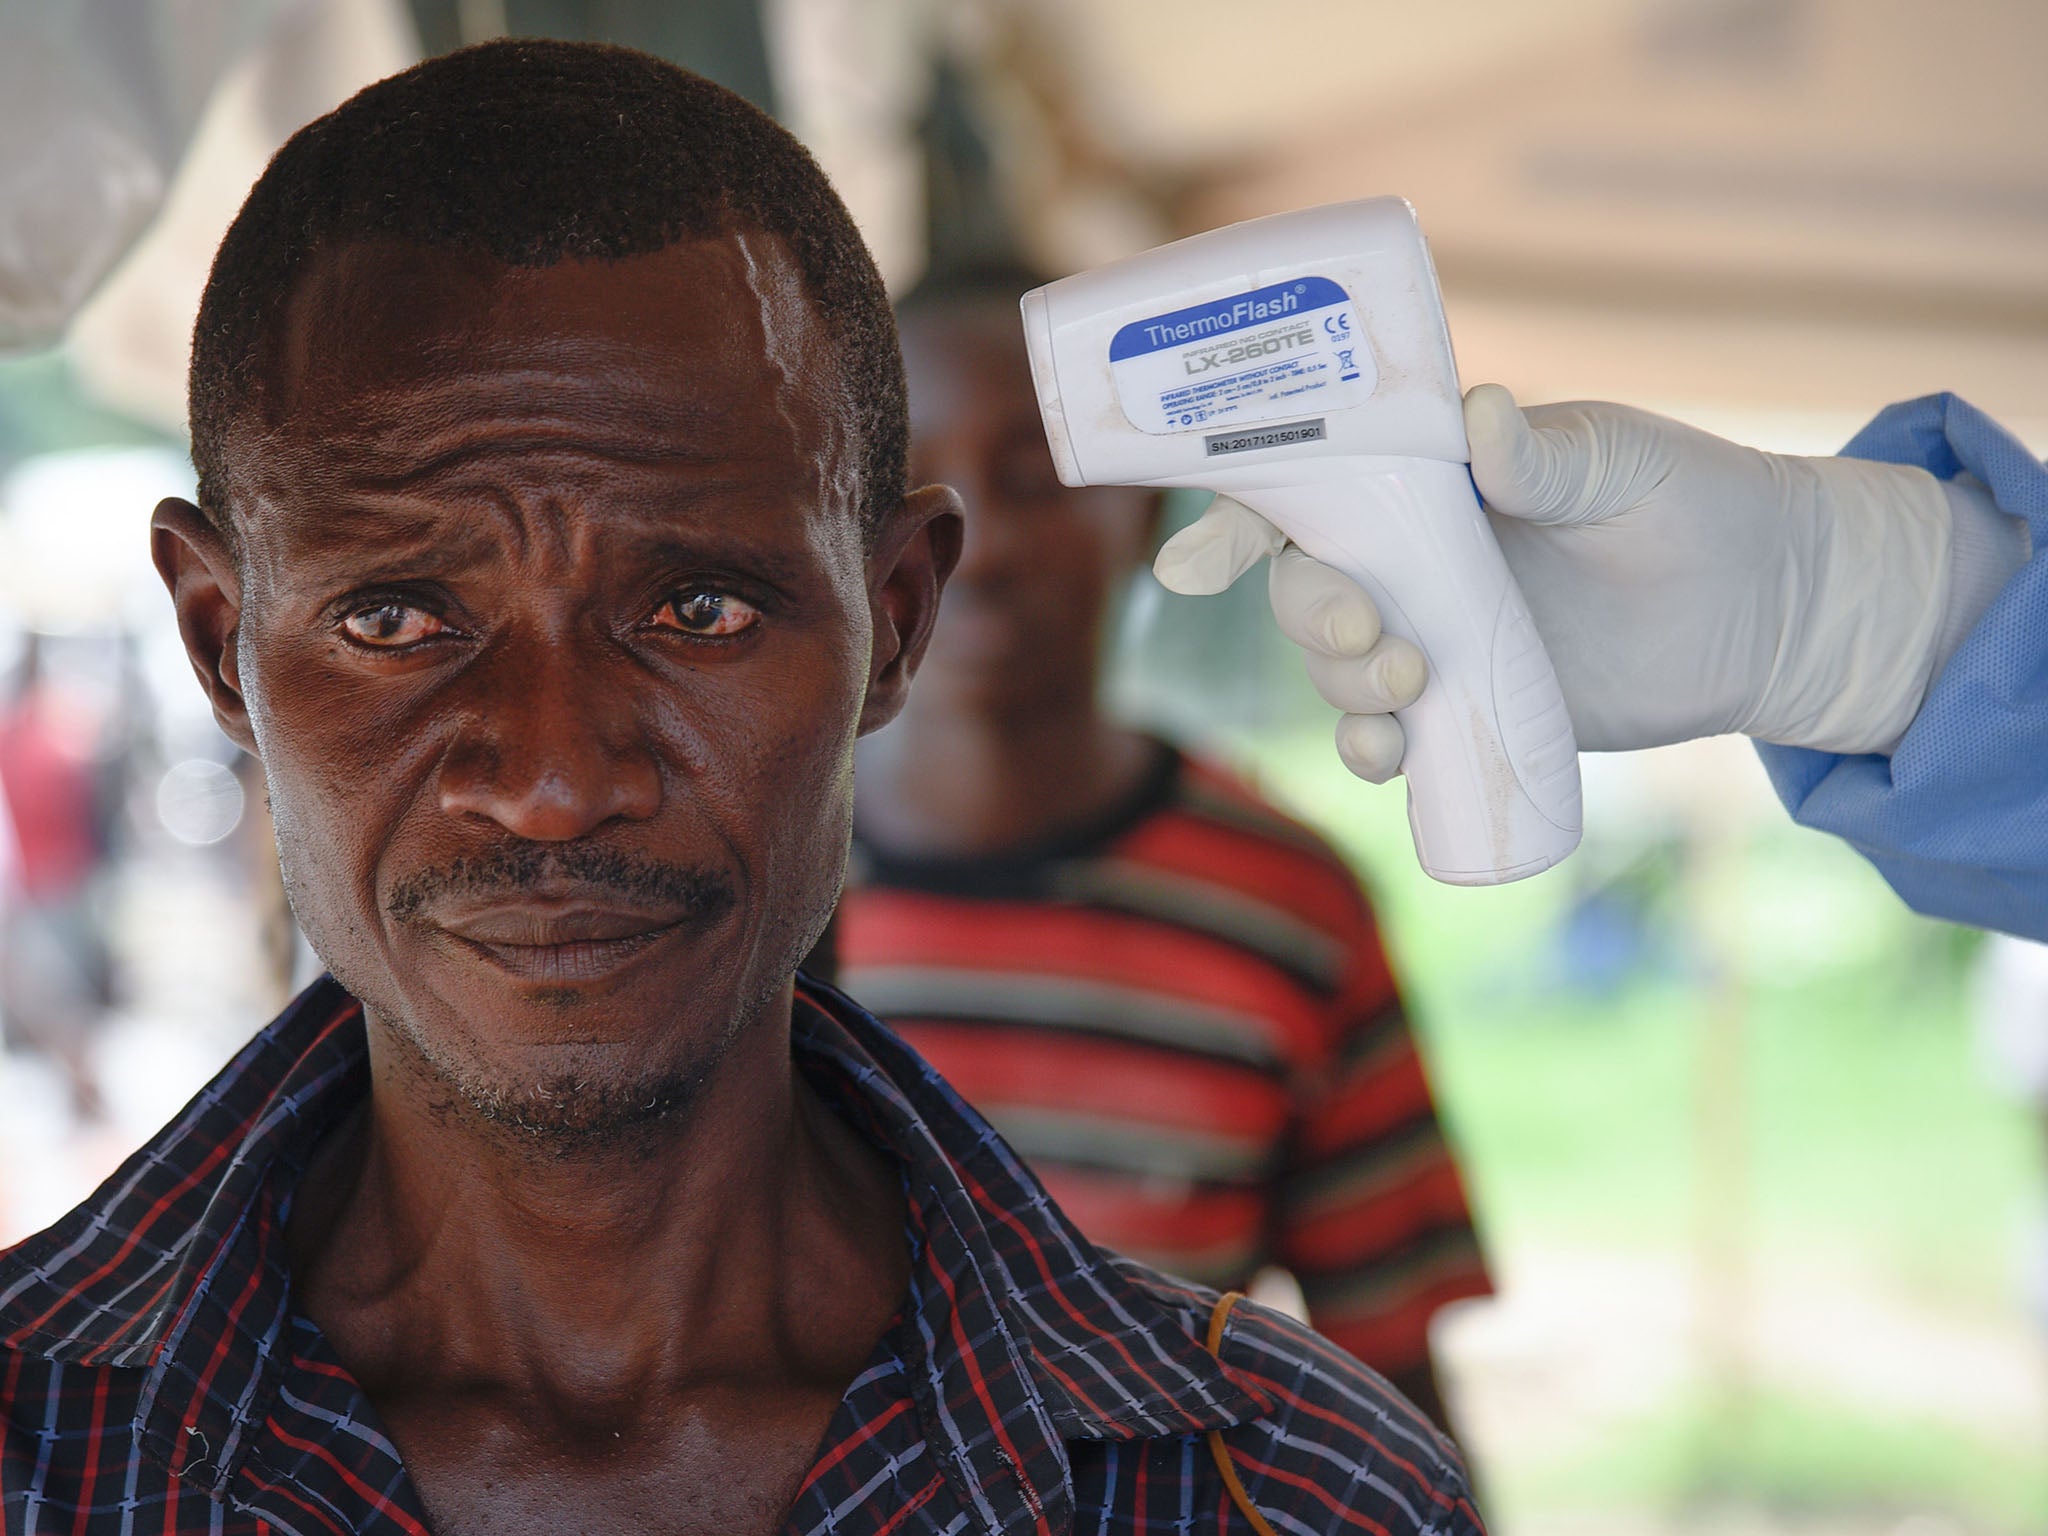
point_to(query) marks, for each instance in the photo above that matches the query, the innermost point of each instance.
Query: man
(1170, 999)
(553, 548)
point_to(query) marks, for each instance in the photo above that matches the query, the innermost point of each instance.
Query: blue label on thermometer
(1275, 351)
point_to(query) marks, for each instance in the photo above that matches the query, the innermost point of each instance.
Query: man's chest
(728, 1459)
(320, 1462)
(737, 1463)
(695, 1473)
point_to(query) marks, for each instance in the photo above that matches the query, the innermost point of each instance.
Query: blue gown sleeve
(1956, 819)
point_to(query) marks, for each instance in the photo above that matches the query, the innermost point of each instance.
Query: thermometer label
(1261, 355)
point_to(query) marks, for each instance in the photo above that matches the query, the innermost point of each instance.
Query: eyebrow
(771, 564)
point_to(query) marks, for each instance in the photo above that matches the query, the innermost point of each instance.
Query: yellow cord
(1217, 1448)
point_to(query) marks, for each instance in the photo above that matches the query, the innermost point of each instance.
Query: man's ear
(198, 567)
(915, 551)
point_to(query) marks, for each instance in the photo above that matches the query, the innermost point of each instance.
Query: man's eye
(391, 626)
(701, 611)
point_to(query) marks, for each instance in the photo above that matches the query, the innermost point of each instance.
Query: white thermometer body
(1300, 363)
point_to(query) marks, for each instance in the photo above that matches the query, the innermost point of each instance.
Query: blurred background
(1759, 1157)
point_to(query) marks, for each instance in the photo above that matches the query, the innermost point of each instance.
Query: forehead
(391, 360)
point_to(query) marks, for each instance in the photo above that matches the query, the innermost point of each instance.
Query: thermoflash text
(1301, 364)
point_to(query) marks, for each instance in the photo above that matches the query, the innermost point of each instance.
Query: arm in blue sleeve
(1957, 817)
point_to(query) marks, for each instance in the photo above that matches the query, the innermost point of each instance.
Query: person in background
(1169, 997)
(54, 969)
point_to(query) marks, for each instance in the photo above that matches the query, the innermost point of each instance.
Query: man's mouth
(559, 942)
(559, 916)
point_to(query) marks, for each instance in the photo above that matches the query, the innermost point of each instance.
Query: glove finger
(1213, 551)
(1371, 746)
(1390, 676)
(1538, 474)
(1318, 608)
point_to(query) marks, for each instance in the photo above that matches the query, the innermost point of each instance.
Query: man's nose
(552, 745)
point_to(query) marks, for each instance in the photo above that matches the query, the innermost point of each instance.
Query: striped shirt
(1183, 1019)
(156, 1378)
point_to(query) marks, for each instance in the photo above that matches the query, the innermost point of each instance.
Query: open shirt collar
(1031, 1337)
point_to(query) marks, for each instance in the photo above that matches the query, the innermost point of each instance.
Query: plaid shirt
(155, 1377)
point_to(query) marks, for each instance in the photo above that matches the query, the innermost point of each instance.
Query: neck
(953, 781)
(736, 1236)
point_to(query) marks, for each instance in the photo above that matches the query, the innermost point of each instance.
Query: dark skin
(1005, 744)
(553, 626)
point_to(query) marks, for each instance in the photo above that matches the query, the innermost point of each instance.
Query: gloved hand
(1684, 585)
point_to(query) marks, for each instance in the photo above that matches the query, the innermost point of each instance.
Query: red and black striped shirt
(1183, 1020)
(155, 1376)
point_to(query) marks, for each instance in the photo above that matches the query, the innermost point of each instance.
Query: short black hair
(533, 151)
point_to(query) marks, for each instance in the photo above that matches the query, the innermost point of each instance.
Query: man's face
(555, 629)
(1024, 615)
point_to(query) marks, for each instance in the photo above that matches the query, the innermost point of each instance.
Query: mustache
(510, 869)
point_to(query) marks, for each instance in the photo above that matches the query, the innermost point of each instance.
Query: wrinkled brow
(390, 438)
(630, 523)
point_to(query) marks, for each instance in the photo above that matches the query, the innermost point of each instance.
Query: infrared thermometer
(1301, 364)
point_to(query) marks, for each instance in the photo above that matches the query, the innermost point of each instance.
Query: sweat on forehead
(528, 154)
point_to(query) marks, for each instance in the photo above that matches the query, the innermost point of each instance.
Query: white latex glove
(1684, 585)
